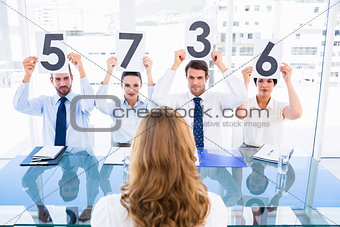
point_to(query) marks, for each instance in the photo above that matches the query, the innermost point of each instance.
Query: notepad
(48, 153)
(270, 153)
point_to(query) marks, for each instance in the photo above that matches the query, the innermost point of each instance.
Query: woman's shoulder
(218, 215)
(109, 210)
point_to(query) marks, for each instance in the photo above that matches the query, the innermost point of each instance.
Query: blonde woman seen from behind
(164, 188)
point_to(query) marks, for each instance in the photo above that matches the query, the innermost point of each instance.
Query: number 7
(136, 40)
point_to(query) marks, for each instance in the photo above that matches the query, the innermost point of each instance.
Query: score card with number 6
(51, 52)
(267, 64)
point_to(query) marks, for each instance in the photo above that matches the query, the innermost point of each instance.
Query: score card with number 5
(51, 52)
(267, 64)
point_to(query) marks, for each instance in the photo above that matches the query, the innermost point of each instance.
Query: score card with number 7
(130, 51)
(51, 52)
(267, 64)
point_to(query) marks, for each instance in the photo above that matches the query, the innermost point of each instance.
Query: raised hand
(179, 58)
(246, 72)
(111, 62)
(147, 64)
(286, 71)
(29, 66)
(217, 58)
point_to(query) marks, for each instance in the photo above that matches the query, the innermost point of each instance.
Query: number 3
(48, 49)
(200, 38)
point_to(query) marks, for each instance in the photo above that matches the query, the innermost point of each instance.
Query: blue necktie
(198, 123)
(60, 127)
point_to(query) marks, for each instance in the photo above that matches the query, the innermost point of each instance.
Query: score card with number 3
(267, 64)
(51, 52)
(199, 38)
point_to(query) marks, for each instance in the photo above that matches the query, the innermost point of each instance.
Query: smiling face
(62, 83)
(196, 81)
(265, 86)
(131, 86)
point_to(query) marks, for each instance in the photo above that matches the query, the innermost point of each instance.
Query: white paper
(51, 58)
(48, 152)
(191, 37)
(123, 46)
(276, 53)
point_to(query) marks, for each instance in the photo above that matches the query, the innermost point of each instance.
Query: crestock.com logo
(119, 113)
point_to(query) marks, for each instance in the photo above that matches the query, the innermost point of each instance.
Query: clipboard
(28, 161)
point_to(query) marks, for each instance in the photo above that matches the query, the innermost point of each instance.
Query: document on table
(269, 153)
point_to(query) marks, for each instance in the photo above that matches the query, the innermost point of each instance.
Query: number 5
(48, 49)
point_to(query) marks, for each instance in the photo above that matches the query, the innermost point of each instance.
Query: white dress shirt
(213, 104)
(47, 107)
(266, 127)
(128, 116)
(109, 212)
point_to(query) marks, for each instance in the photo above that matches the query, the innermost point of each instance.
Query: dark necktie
(60, 127)
(198, 123)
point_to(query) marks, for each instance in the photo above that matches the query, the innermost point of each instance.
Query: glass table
(257, 194)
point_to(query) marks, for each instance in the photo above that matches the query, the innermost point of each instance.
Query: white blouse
(109, 212)
(266, 127)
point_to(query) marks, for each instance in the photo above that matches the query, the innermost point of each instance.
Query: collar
(124, 102)
(253, 103)
(69, 97)
(203, 96)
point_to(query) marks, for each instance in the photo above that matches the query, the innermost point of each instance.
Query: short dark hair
(69, 71)
(126, 73)
(197, 64)
(274, 80)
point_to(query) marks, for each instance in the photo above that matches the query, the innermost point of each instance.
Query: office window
(297, 36)
(234, 37)
(257, 8)
(257, 35)
(316, 9)
(247, 8)
(335, 64)
(250, 36)
(269, 8)
(224, 24)
(246, 23)
(246, 51)
(241, 35)
(233, 50)
(236, 23)
(223, 37)
(302, 66)
(304, 50)
(256, 23)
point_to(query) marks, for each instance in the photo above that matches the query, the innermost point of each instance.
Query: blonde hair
(164, 188)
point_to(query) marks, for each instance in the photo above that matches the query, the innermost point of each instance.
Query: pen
(270, 152)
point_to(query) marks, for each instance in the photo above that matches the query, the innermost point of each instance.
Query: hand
(43, 214)
(246, 72)
(147, 63)
(179, 58)
(218, 61)
(286, 71)
(29, 65)
(86, 214)
(75, 59)
(111, 62)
